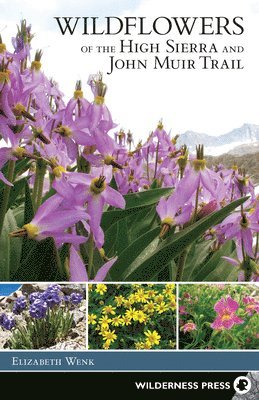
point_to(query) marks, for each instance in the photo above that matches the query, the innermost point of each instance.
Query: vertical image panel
(218, 316)
(42, 316)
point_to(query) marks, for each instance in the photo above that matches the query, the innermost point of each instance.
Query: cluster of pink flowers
(78, 155)
(252, 305)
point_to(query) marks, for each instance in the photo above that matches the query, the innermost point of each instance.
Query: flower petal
(76, 267)
(114, 198)
(231, 304)
(103, 271)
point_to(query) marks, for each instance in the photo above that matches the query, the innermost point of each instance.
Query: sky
(208, 101)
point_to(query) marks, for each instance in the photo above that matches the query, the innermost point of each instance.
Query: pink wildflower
(189, 327)
(226, 317)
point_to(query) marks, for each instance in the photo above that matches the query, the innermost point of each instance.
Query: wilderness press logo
(242, 385)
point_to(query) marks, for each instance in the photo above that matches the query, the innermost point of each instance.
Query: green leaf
(28, 208)
(197, 255)
(218, 269)
(172, 247)
(111, 217)
(122, 236)
(42, 263)
(134, 203)
(144, 221)
(154, 184)
(123, 266)
(16, 190)
(146, 198)
(110, 240)
(8, 249)
(20, 166)
(18, 213)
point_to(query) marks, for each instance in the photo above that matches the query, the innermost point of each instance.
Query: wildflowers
(47, 318)
(218, 316)
(138, 317)
(89, 193)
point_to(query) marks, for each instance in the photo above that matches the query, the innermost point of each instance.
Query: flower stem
(256, 245)
(6, 193)
(39, 182)
(90, 255)
(156, 162)
(181, 265)
(148, 177)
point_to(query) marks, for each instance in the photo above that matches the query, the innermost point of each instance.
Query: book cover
(129, 212)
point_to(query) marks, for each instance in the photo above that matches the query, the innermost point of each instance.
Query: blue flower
(76, 298)
(35, 296)
(19, 305)
(54, 288)
(52, 298)
(66, 299)
(7, 322)
(38, 309)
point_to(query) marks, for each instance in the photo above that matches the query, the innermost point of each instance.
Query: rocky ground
(76, 340)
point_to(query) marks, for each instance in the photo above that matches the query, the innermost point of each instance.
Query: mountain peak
(215, 145)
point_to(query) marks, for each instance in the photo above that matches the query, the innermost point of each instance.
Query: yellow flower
(169, 288)
(119, 300)
(141, 296)
(139, 345)
(132, 313)
(125, 320)
(106, 345)
(90, 287)
(101, 288)
(141, 317)
(151, 293)
(132, 298)
(136, 285)
(108, 310)
(172, 344)
(159, 298)
(149, 307)
(146, 345)
(109, 336)
(116, 321)
(161, 307)
(152, 338)
(128, 303)
(104, 321)
(172, 303)
(92, 319)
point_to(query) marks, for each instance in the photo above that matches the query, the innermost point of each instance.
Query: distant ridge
(247, 134)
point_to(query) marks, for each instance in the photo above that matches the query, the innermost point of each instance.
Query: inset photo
(132, 316)
(219, 316)
(42, 316)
